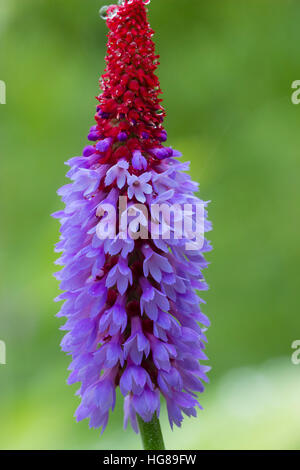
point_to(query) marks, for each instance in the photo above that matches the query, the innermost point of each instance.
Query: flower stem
(151, 434)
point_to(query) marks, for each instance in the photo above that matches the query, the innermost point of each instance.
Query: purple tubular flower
(147, 403)
(117, 172)
(114, 320)
(163, 136)
(138, 161)
(138, 186)
(103, 114)
(97, 400)
(94, 134)
(120, 275)
(122, 137)
(145, 135)
(137, 344)
(134, 319)
(152, 300)
(155, 264)
(134, 380)
(104, 145)
(162, 152)
(88, 151)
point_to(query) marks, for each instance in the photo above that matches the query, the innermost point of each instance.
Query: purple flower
(147, 403)
(117, 172)
(155, 264)
(97, 400)
(87, 151)
(145, 135)
(162, 353)
(110, 353)
(134, 380)
(122, 136)
(94, 134)
(138, 161)
(103, 114)
(120, 275)
(162, 152)
(130, 414)
(114, 320)
(104, 145)
(134, 319)
(137, 344)
(119, 246)
(152, 300)
(163, 136)
(138, 186)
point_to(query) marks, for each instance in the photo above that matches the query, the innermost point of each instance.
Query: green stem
(151, 434)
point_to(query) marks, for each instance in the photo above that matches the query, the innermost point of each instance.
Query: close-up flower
(178, 125)
(136, 310)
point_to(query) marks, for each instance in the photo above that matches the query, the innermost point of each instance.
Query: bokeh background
(226, 71)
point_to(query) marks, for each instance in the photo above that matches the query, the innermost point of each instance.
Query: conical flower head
(130, 111)
(132, 242)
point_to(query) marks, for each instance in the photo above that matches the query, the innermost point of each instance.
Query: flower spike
(134, 320)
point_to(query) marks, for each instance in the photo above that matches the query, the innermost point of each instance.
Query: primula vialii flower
(133, 316)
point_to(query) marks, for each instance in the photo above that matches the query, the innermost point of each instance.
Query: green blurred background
(226, 71)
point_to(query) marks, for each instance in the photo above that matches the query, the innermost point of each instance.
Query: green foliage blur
(226, 72)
